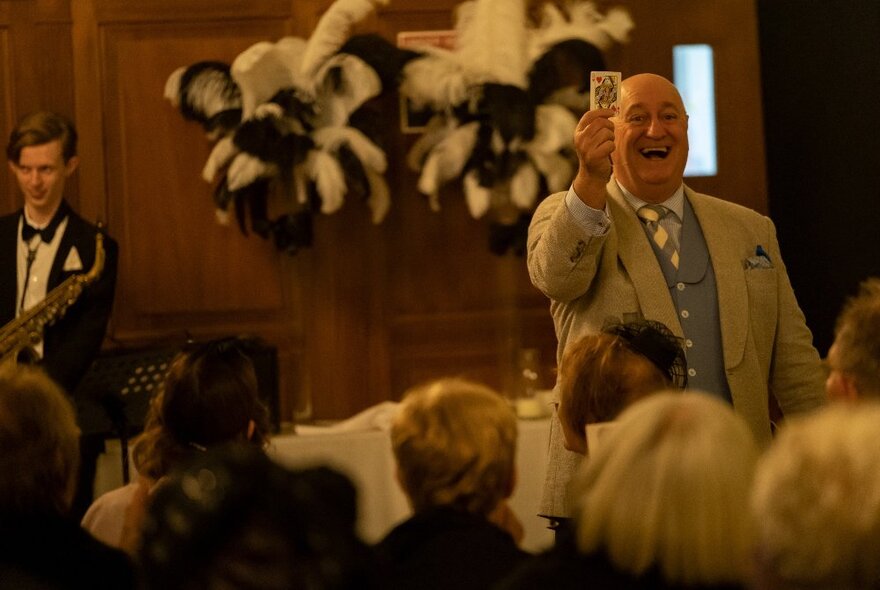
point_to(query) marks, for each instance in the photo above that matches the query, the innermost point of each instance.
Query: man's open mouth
(655, 153)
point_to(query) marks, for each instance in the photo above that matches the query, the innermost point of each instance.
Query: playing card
(604, 91)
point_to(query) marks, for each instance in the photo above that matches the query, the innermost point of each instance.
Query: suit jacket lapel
(641, 264)
(68, 241)
(732, 295)
(57, 264)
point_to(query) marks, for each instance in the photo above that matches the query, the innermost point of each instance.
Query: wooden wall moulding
(177, 11)
(36, 70)
(180, 271)
(10, 200)
(155, 169)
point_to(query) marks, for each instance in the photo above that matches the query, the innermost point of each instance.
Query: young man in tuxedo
(46, 242)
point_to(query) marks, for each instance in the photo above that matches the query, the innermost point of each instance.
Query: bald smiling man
(630, 240)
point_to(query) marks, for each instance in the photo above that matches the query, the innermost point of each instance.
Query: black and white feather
(206, 93)
(298, 124)
(506, 101)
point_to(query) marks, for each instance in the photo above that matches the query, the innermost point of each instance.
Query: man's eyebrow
(663, 105)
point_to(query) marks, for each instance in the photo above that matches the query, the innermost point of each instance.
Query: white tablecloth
(366, 458)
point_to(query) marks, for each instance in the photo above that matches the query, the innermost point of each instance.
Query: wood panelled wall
(369, 310)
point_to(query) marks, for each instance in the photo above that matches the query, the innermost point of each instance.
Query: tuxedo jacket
(70, 345)
(767, 347)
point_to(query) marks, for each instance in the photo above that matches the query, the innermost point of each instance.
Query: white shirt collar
(675, 203)
(34, 224)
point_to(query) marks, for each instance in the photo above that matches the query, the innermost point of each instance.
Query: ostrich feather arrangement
(289, 117)
(505, 102)
(292, 119)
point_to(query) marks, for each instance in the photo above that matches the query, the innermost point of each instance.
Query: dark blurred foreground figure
(455, 443)
(233, 519)
(40, 545)
(661, 503)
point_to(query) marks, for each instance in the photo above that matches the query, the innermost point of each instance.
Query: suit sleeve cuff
(595, 222)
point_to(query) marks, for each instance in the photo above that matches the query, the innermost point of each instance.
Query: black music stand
(114, 396)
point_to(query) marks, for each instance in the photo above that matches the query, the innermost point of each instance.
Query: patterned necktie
(651, 216)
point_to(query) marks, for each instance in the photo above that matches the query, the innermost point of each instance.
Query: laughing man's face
(650, 134)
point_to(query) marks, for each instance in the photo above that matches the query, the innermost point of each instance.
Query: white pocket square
(73, 262)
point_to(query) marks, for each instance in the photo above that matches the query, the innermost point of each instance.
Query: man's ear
(71, 165)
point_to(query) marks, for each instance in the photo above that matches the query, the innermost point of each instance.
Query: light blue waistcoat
(695, 297)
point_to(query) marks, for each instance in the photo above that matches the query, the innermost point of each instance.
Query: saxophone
(18, 337)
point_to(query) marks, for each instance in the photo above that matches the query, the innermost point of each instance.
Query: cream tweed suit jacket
(590, 280)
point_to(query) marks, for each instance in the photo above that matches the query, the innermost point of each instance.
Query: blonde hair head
(668, 490)
(857, 338)
(455, 441)
(817, 500)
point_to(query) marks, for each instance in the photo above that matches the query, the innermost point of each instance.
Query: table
(366, 458)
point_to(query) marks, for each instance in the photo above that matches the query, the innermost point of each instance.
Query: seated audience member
(40, 546)
(235, 519)
(454, 442)
(816, 500)
(603, 373)
(662, 503)
(209, 398)
(854, 357)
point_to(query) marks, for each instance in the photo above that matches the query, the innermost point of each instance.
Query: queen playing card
(604, 91)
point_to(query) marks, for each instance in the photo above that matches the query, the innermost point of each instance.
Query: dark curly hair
(208, 398)
(234, 518)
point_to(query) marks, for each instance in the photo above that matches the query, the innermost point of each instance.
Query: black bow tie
(47, 233)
